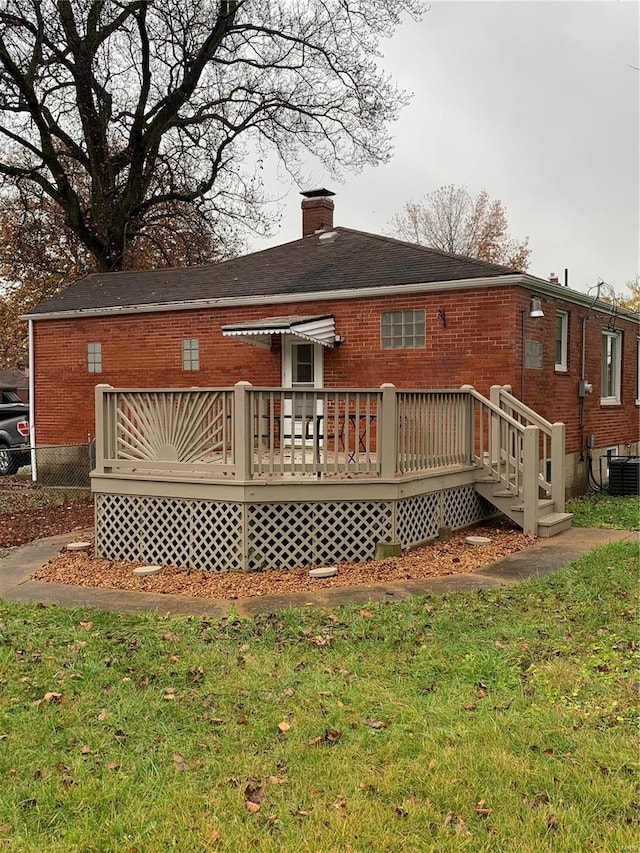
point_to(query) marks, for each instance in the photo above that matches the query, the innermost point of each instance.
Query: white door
(302, 363)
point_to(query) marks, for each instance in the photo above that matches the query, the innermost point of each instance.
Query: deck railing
(551, 444)
(246, 433)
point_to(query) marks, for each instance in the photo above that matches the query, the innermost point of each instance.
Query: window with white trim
(191, 354)
(94, 358)
(562, 336)
(611, 366)
(402, 329)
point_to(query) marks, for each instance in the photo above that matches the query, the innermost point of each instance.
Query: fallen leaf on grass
(85, 750)
(330, 736)
(84, 626)
(284, 726)
(302, 813)
(196, 675)
(483, 809)
(400, 812)
(102, 715)
(453, 821)
(169, 694)
(375, 724)
(179, 763)
(366, 614)
(470, 707)
(171, 637)
(50, 698)
(254, 796)
(277, 780)
(213, 836)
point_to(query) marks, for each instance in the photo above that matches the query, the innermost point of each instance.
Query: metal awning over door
(319, 329)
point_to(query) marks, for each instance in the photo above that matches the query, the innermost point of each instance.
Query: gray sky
(535, 102)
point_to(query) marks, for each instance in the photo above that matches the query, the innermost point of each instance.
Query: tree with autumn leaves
(451, 220)
(131, 133)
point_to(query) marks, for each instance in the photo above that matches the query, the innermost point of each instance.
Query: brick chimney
(317, 211)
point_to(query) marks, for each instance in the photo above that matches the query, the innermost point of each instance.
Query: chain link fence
(57, 465)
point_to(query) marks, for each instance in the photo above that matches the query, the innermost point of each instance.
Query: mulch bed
(29, 512)
(432, 560)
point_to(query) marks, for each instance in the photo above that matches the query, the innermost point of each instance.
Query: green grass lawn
(603, 510)
(492, 721)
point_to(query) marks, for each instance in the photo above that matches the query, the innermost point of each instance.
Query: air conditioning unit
(624, 475)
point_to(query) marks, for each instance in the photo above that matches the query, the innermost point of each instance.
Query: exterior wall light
(536, 308)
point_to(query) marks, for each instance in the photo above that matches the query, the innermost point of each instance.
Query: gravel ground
(432, 560)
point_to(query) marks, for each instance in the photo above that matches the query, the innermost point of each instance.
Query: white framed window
(562, 337)
(94, 358)
(611, 366)
(190, 354)
(402, 329)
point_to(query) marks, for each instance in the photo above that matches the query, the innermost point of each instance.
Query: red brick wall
(480, 345)
(554, 394)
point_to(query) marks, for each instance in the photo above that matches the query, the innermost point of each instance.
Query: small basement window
(402, 329)
(94, 358)
(191, 354)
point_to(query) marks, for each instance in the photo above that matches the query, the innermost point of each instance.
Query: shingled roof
(352, 260)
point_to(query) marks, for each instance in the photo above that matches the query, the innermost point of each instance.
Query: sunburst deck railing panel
(186, 431)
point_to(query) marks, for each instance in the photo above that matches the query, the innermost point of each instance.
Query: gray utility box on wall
(624, 475)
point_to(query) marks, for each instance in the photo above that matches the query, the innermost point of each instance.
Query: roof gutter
(529, 282)
(284, 298)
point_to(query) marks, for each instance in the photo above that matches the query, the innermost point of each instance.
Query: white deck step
(555, 522)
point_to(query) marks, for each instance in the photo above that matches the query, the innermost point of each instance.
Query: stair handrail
(535, 419)
(493, 407)
(515, 468)
(555, 485)
(498, 456)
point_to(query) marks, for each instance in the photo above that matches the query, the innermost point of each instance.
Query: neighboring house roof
(350, 260)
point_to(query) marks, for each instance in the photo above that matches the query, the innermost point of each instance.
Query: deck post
(530, 452)
(557, 466)
(470, 428)
(496, 449)
(388, 432)
(104, 428)
(242, 431)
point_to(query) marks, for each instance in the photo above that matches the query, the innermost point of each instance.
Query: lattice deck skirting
(227, 536)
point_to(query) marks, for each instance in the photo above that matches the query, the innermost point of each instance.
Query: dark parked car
(11, 405)
(14, 433)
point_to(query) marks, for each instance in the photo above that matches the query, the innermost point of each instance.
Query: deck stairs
(520, 461)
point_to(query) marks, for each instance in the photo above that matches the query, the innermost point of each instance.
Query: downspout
(32, 405)
(583, 378)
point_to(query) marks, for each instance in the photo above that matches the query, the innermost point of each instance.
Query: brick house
(340, 307)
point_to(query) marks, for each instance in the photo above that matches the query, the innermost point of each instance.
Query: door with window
(302, 364)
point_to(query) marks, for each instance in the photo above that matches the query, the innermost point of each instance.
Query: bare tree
(451, 220)
(120, 110)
